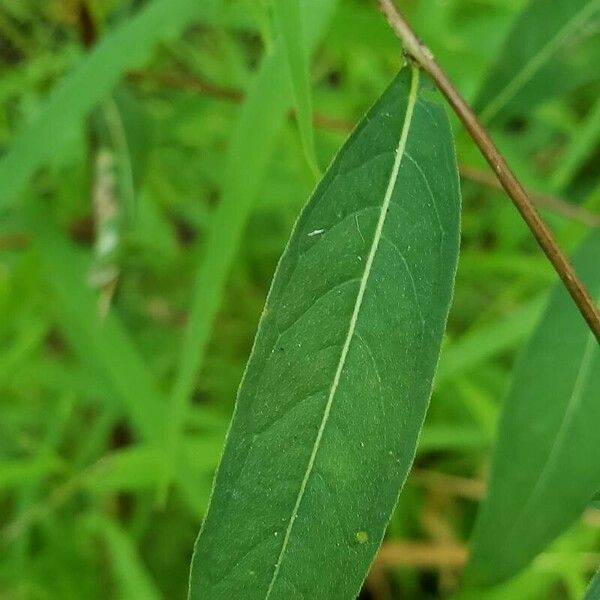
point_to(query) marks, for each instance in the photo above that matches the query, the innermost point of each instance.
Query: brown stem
(194, 83)
(421, 555)
(422, 56)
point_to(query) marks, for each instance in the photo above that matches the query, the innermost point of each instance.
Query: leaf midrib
(353, 320)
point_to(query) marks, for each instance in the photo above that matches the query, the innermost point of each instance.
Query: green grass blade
(585, 139)
(128, 46)
(20, 471)
(337, 386)
(291, 26)
(545, 468)
(252, 147)
(102, 344)
(476, 347)
(528, 66)
(131, 575)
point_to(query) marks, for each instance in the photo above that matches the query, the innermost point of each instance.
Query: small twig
(471, 489)
(421, 555)
(422, 56)
(14, 241)
(552, 203)
(426, 555)
(193, 83)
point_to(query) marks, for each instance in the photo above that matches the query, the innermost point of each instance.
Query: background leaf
(544, 471)
(334, 396)
(130, 573)
(92, 80)
(104, 345)
(253, 144)
(532, 63)
(291, 25)
(211, 137)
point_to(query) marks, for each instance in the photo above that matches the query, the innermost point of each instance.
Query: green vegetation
(155, 157)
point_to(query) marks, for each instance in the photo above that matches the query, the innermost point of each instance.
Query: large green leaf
(336, 389)
(545, 467)
(531, 64)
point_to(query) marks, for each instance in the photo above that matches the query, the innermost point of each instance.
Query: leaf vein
(353, 321)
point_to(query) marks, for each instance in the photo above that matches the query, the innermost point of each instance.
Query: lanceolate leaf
(336, 389)
(545, 469)
(289, 18)
(530, 65)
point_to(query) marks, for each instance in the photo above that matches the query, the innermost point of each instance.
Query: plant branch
(423, 57)
(194, 83)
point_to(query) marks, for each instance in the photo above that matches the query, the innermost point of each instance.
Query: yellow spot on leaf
(362, 537)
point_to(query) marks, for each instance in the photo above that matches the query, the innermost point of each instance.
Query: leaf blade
(527, 52)
(91, 80)
(252, 147)
(286, 401)
(544, 433)
(289, 17)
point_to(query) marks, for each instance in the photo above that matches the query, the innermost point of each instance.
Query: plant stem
(423, 57)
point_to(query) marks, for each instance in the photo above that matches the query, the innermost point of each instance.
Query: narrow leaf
(335, 392)
(529, 65)
(129, 45)
(487, 342)
(545, 468)
(104, 345)
(289, 18)
(131, 575)
(593, 592)
(581, 147)
(252, 146)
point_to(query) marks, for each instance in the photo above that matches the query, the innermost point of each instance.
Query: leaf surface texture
(338, 382)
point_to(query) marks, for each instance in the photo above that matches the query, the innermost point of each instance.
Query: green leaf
(545, 468)
(25, 470)
(335, 391)
(140, 466)
(128, 46)
(291, 26)
(251, 148)
(529, 65)
(130, 573)
(593, 592)
(487, 342)
(581, 146)
(103, 344)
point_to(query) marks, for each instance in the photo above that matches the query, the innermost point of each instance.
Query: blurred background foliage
(152, 172)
